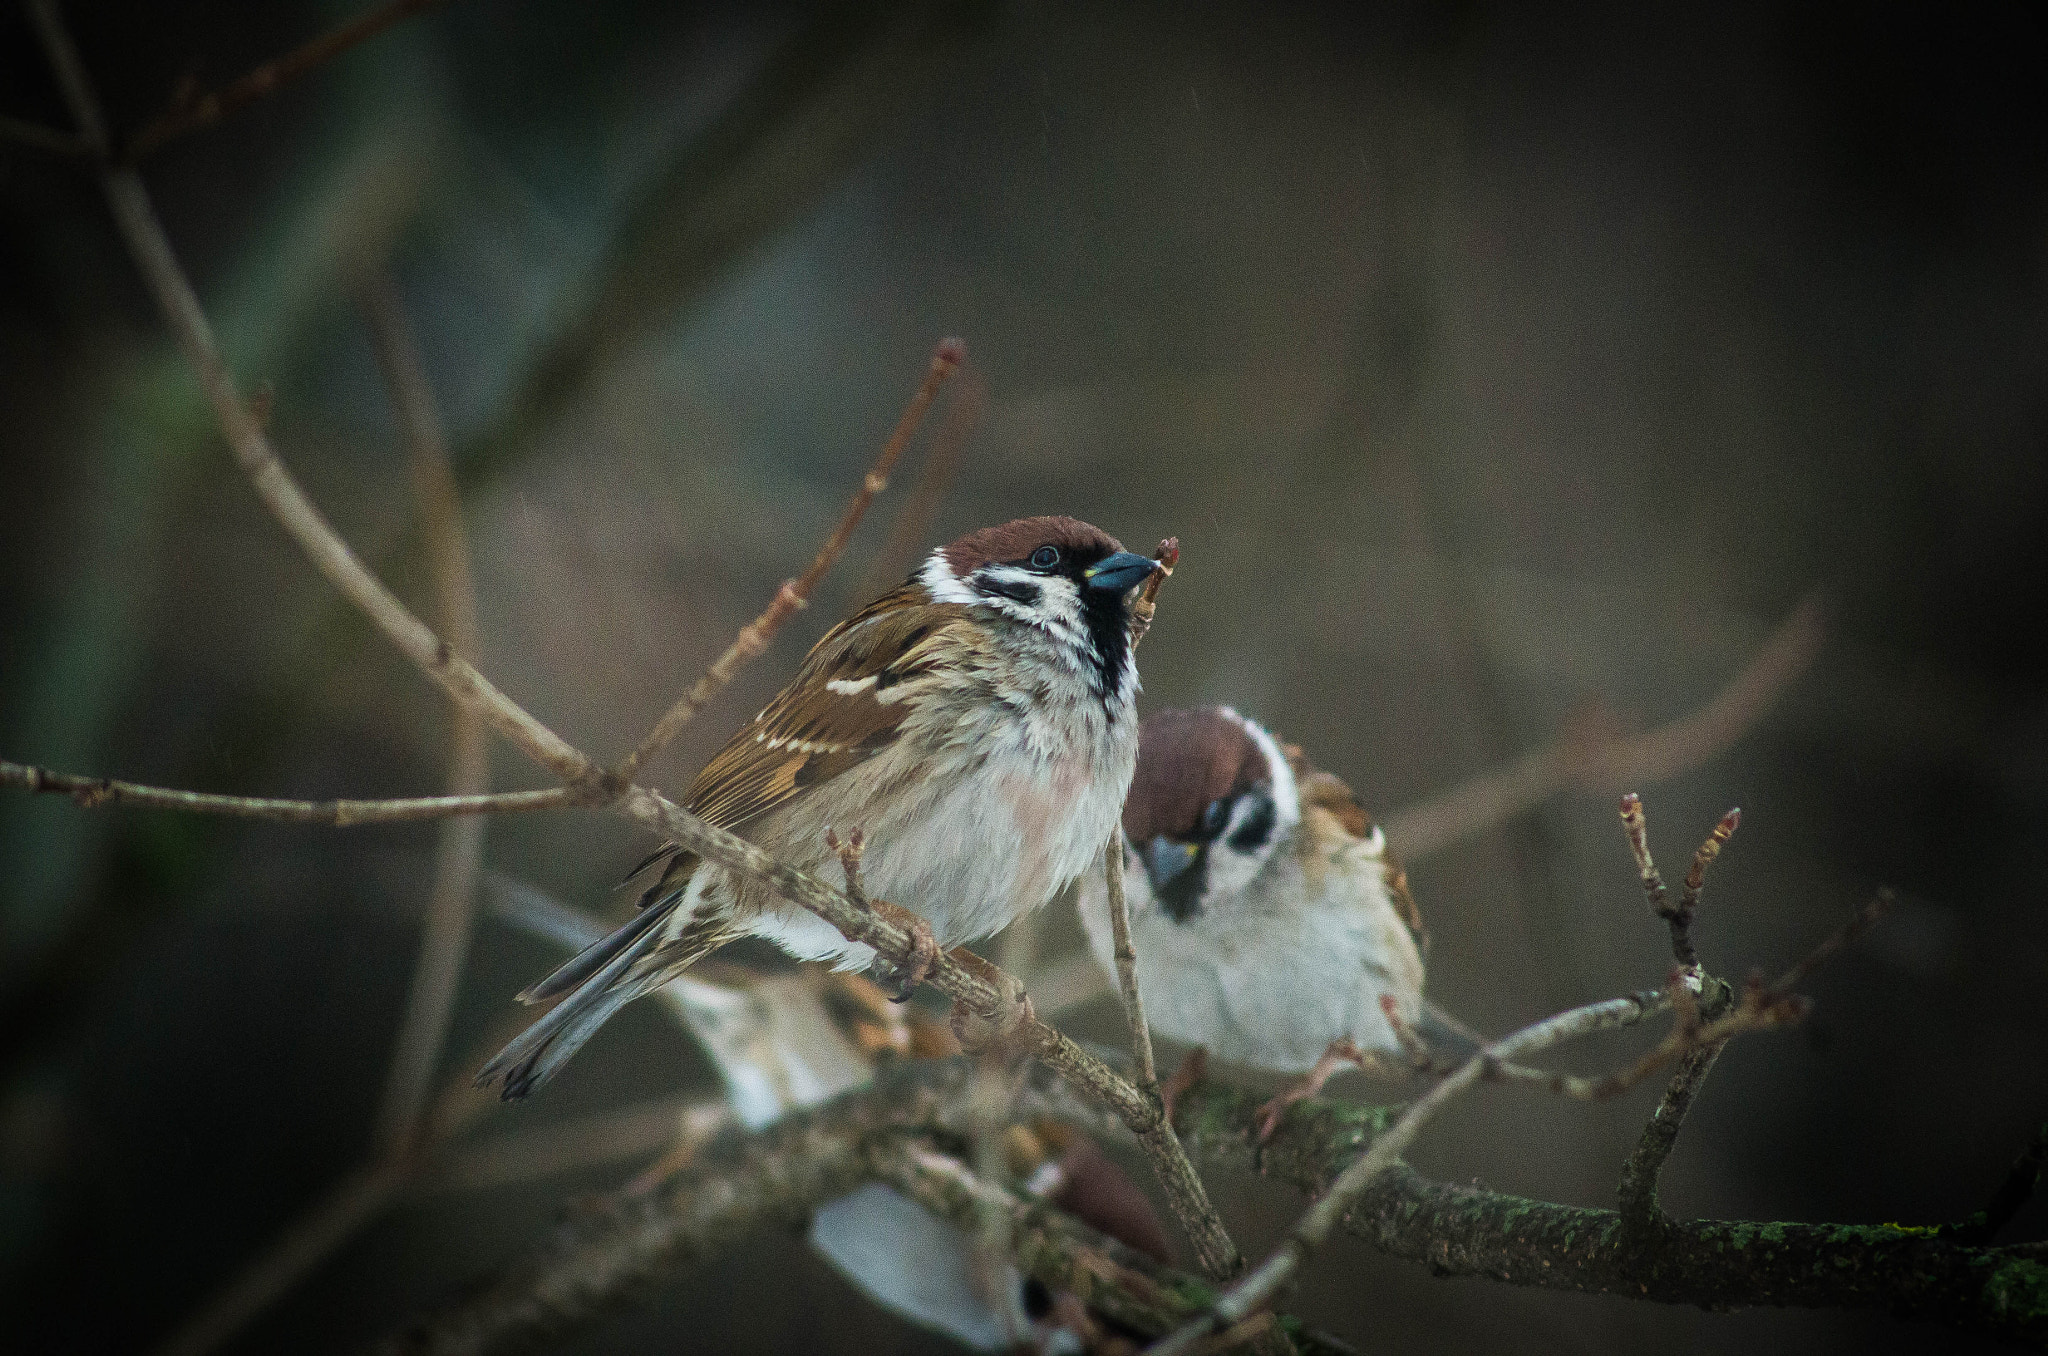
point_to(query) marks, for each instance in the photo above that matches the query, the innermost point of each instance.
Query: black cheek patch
(1258, 825)
(1020, 590)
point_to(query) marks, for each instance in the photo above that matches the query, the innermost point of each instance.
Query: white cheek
(944, 586)
(1286, 795)
(1231, 871)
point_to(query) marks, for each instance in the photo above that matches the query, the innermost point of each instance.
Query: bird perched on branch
(1269, 917)
(975, 724)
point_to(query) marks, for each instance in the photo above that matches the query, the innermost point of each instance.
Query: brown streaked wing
(1329, 792)
(810, 734)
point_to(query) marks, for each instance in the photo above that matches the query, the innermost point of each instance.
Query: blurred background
(1504, 372)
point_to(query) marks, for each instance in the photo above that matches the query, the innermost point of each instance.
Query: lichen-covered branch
(1466, 1231)
(1309, 1233)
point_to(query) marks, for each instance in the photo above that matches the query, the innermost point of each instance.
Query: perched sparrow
(1269, 918)
(976, 724)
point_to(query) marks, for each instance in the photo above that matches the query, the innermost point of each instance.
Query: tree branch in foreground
(614, 1247)
(459, 848)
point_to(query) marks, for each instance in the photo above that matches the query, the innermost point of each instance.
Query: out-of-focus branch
(739, 1182)
(910, 532)
(24, 133)
(93, 792)
(1595, 760)
(2014, 1191)
(192, 113)
(451, 904)
(795, 593)
(588, 1141)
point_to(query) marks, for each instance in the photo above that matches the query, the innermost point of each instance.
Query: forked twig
(795, 593)
(1256, 1289)
(1698, 998)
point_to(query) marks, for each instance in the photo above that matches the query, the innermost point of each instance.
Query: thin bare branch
(193, 114)
(911, 530)
(1127, 963)
(1860, 922)
(451, 905)
(589, 1141)
(1595, 761)
(93, 792)
(1699, 1000)
(1278, 1270)
(2014, 1191)
(795, 593)
(1636, 825)
(32, 134)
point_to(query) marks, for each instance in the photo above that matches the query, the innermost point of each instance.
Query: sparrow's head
(1068, 578)
(1214, 794)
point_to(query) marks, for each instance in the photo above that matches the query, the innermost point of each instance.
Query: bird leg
(1194, 1067)
(902, 981)
(1340, 1053)
(977, 1031)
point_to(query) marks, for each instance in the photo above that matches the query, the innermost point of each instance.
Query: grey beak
(1121, 572)
(1166, 861)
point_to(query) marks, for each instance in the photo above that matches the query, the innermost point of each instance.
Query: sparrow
(1272, 924)
(976, 725)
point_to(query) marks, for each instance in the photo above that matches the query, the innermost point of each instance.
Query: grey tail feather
(1446, 1033)
(534, 1056)
(587, 962)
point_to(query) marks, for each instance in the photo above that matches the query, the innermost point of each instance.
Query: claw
(1340, 1053)
(981, 1031)
(924, 952)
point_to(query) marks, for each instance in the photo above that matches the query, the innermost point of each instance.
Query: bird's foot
(980, 1031)
(1194, 1067)
(1340, 1053)
(902, 980)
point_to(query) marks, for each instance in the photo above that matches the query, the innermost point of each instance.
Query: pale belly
(988, 833)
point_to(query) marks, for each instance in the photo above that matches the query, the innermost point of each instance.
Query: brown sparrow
(975, 724)
(1269, 917)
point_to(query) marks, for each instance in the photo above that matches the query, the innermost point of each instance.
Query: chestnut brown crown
(1017, 539)
(1186, 761)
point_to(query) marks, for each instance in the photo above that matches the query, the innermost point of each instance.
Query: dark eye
(1045, 558)
(1213, 819)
